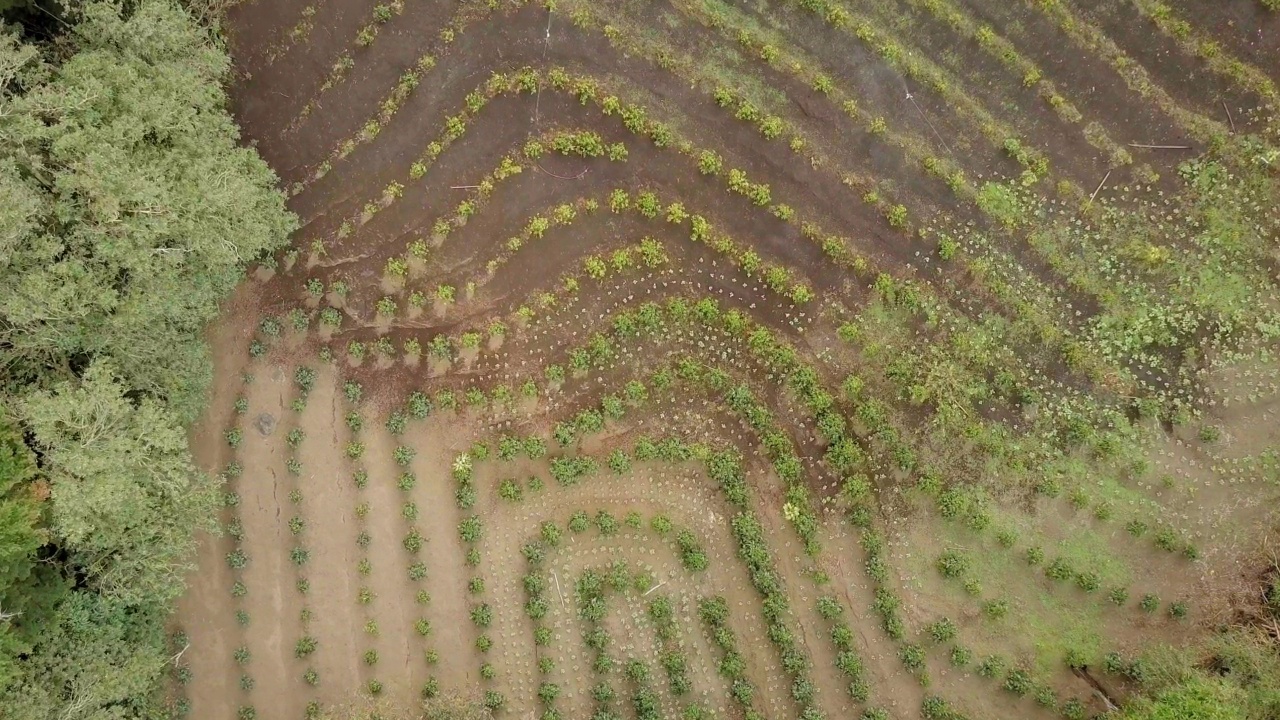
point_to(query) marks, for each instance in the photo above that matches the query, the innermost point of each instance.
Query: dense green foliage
(1233, 675)
(127, 213)
(20, 538)
(1198, 699)
(128, 210)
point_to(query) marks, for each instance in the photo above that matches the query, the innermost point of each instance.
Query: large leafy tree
(128, 209)
(96, 658)
(125, 496)
(21, 537)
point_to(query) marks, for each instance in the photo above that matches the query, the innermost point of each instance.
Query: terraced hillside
(697, 358)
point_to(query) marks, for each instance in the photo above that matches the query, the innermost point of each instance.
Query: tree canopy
(128, 210)
(125, 495)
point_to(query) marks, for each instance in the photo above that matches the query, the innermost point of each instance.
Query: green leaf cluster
(128, 211)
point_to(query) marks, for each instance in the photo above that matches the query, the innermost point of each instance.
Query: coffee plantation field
(760, 359)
